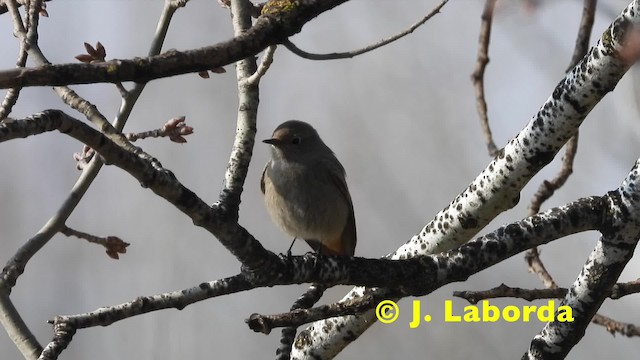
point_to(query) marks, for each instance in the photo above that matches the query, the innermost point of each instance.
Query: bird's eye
(295, 140)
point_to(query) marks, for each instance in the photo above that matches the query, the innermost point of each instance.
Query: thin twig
(536, 266)
(547, 188)
(545, 191)
(622, 289)
(303, 315)
(612, 326)
(349, 54)
(113, 244)
(478, 74)
(267, 60)
(619, 290)
(615, 327)
(175, 129)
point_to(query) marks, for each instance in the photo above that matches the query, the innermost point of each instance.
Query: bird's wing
(264, 171)
(349, 236)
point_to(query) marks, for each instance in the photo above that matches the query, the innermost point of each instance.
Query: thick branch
(598, 276)
(248, 99)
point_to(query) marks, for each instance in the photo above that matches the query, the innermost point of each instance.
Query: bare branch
(301, 316)
(113, 244)
(69, 96)
(12, 95)
(623, 289)
(619, 290)
(297, 317)
(4, 6)
(349, 54)
(503, 291)
(145, 304)
(16, 328)
(536, 266)
(248, 100)
(28, 38)
(478, 74)
(616, 327)
(612, 326)
(267, 59)
(272, 27)
(545, 191)
(288, 335)
(598, 275)
(66, 326)
(175, 129)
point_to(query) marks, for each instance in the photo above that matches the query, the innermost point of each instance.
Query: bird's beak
(272, 141)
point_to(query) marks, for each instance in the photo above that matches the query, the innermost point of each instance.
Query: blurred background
(403, 121)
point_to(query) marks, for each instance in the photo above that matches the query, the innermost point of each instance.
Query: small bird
(305, 190)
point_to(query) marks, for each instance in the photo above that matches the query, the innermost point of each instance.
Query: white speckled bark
(498, 187)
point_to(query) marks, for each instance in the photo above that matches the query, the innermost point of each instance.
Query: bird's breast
(304, 200)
